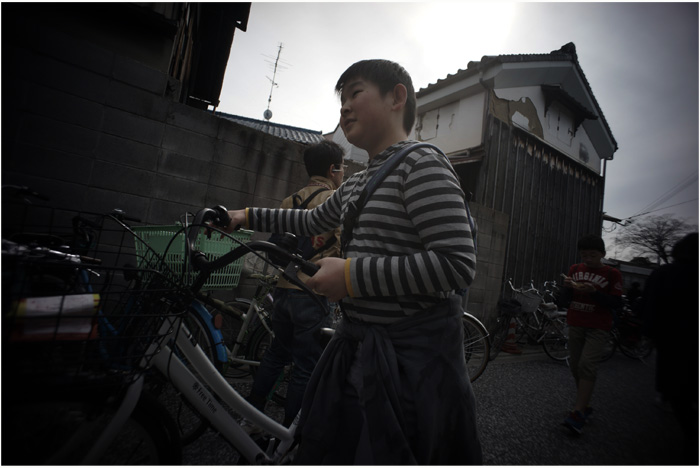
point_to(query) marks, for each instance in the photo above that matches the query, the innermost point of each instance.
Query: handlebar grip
(309, 268)
(222, 218)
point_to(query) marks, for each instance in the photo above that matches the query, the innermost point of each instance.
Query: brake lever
(222, 217)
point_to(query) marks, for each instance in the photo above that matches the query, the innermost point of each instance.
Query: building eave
(510, 68)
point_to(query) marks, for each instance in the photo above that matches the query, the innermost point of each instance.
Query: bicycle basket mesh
(72, 325)
(529, 301)
(169, 242)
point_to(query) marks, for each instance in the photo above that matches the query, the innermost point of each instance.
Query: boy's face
(365, 115)
(591, 258)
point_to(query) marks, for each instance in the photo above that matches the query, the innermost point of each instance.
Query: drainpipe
(602, 201)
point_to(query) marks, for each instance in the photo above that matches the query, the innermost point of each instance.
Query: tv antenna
(278, 64)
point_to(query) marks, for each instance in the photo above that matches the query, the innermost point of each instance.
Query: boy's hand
(237, 220)
(329, 280)
(568, 282)
(583, 287)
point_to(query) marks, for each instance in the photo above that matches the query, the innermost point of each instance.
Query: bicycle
(75, 337)
(626, 335)
(207, 389)
(540, 322)
(235, 334)
(244, 350)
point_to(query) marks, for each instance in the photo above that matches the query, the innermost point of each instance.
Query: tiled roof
(566, 53)
(300, 135)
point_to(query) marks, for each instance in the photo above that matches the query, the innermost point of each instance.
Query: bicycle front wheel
(191, 425)
(477, 347)
(556, 338)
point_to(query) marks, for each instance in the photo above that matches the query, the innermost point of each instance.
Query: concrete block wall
(491, 243)
(96, 131)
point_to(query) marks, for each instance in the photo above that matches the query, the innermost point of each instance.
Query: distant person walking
(670, 310)
(594, 291)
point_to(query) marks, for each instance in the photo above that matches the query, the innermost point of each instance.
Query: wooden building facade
(530, 144)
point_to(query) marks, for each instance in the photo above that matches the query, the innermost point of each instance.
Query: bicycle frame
(210, 394)
(224, 354)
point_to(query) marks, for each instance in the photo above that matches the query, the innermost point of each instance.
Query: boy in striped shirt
(392, 386)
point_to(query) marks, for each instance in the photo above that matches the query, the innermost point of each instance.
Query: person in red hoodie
(594, 290)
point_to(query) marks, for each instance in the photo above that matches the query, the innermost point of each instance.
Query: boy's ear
(400, 95)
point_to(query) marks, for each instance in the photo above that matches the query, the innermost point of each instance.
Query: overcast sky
(641, 60)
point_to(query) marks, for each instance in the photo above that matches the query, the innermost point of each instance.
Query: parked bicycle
(537, 321)
(626, 335)
(212, 385)
(76, 338)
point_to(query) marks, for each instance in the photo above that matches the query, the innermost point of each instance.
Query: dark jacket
(415, 404)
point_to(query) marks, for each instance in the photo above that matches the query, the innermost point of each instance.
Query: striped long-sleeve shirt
(412, 244)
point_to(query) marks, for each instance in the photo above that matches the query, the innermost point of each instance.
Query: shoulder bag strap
(355, 208)
(305, 203)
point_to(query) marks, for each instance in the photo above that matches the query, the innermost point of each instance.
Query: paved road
(522, 401)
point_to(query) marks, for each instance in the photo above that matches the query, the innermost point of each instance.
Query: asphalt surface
(522, 401)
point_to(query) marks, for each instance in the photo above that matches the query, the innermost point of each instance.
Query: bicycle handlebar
(15, 249)
(218, 216)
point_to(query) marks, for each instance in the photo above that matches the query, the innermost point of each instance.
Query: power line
(668, 194)
(659, 209)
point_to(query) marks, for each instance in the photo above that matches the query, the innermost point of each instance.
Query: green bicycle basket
(159, 239)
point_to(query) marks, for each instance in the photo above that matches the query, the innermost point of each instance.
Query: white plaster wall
(455, 126)
(574, 147)
(352, 152)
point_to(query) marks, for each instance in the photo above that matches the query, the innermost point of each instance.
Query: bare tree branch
(654, 235)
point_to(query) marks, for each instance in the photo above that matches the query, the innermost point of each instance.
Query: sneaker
(575, 421)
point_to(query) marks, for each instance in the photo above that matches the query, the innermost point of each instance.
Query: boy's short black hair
(385, 74)
(318, 157)
(591, 242)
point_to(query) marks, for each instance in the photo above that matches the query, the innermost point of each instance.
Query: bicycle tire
(477, 347)
(260, 341)
(151, 424)
(42, 428)
(187, 419)
(499, 336)
(529, 327)
(555, 339)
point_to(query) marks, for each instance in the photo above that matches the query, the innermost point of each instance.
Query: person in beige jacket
(296, 317)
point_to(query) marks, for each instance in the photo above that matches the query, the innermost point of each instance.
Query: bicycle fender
(478, 323)
(216, 334)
